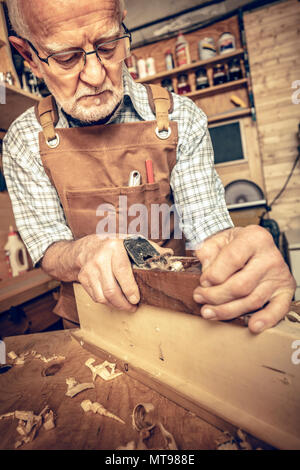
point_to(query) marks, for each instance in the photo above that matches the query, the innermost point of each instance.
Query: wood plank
(31, 387)
(191, 67)
(170, 289)
(229, 86)
(234, 114)
(37, 316)
(245, 379)
(20, 289)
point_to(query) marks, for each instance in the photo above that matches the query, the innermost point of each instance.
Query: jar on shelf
(201, 79)
(183, 85)
(219, 75)
(169, 60)
(234, 70)
(226, 43)
(167, 83)
(206, 48)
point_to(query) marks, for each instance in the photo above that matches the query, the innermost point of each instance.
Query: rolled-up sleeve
(38, 213)
(198, 191)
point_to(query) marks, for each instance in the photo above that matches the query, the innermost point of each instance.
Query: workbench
(36, 384)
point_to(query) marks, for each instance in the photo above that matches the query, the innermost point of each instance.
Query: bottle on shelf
(226, 43)
(182, 51)
(201, 79)
(219, 74)
(16, 253)
(183, 85)
(169, 60)
(142, 69)
(132, 66)
(234, 70)
(206, 48)
(150, 66)
(167, 83)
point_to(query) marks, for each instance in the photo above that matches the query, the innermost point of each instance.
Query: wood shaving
(243, 442)
(144, 420)
(29, 423)
(231, 445)
(102, 369)
(75, 387)
(129, 446)
(19, 360)
(96, 407)
(240, 442)
(163, 263)
(49, 359)
(293, 317)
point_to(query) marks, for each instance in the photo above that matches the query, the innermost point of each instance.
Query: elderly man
(74, 154)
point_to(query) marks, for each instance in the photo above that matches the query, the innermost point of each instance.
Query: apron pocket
(124, 210)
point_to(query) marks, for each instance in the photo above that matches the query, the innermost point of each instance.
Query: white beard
(94, 112)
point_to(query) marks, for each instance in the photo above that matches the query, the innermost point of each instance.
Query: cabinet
(217, 102)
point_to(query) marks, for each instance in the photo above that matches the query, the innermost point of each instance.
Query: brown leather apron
(90, 168)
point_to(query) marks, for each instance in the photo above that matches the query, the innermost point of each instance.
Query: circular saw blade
(242, 191)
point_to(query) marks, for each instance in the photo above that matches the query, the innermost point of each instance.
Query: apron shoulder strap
(161, 104)
(47, 115)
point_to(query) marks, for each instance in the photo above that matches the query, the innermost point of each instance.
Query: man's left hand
(242, 272)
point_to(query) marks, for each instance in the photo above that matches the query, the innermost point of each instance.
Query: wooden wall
(273, 39)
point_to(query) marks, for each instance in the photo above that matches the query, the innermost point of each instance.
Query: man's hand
(243, 271)
(106, 273)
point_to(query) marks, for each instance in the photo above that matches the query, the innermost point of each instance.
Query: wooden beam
(251, 381)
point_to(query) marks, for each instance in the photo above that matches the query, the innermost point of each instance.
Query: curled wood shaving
(49, 359)
(75, 387)
(20, 359)
(129, 446)
(29, 423)
(96, 407)
(243, 442)
(102, 369)
(293, 317)
(144, 420)
(163, 263)
(240, 442)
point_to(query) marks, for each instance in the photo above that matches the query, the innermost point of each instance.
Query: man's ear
(23, 48)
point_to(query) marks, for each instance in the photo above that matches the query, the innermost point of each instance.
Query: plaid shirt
(197, 189)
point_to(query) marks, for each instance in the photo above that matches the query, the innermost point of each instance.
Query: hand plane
(164, 281)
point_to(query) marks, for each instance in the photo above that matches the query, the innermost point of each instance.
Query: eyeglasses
(73, 61)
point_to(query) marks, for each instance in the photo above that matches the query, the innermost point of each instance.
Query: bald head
(27, 17)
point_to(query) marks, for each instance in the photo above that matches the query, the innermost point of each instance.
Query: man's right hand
(102, 267)
(106, 273)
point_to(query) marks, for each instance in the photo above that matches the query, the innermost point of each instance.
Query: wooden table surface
(36, 384)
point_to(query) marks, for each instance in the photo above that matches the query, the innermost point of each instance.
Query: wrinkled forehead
(59, 19)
